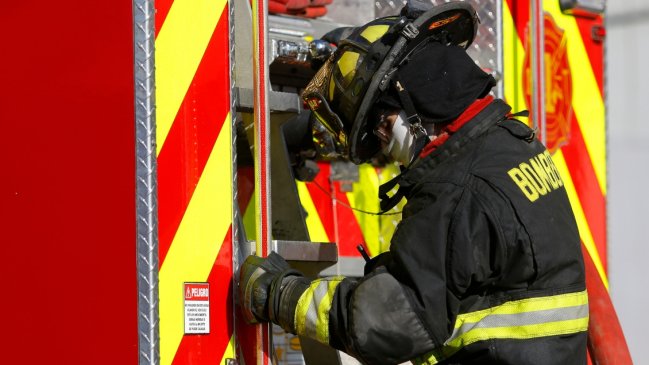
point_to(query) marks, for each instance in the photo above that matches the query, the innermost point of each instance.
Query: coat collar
(490, 114)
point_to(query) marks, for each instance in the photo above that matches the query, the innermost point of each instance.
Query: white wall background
(627, 56)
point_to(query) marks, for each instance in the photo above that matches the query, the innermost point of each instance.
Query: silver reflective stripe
(311, 321)
(312, 309)
(523, 319)
(520, 319)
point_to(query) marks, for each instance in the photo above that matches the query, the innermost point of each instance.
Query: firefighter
(485, 266)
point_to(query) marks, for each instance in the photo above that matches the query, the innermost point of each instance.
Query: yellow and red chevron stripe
(582, 160)
(194, 174)
(337, 219)
(330, 217)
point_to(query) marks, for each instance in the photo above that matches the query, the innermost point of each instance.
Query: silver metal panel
(486, 49)
(146, 183)
(290, 66)
(311, 258)
(289, 217)
(241, 30)
(279, 101)
(347, 266)
(306, 251)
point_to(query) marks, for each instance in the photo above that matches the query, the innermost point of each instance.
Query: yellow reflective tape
(586, 98)
(322, 325)
(374, 32)
(315, 303)
(229, 352)
(197, 241)
(249, 220)
(525, 305)
(511, 332)
(580, 217)
(430, 358)
(179, 48)
(377, 230)
(517, 332)
(491, 323)
(365, 196)
(587, 103)
(314, 225)
(513, 56)
(302, 307)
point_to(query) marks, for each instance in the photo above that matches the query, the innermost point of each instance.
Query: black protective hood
(442, 81)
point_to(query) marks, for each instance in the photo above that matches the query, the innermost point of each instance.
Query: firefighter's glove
(261, 281)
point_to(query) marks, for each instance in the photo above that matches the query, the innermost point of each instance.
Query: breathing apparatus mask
(402, 142)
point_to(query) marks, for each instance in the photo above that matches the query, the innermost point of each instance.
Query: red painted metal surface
(337, 217)
(189, 145)
(193, 135)
(585, 180)
(262, 158)
(577, 158)
(606, 343)
(594, 48)
(67, 186)
(349, 231)
(162, 8)
(208, 349)
(320, 194)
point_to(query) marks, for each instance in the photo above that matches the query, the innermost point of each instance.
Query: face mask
(401, 143)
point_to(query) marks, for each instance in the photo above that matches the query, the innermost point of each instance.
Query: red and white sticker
(197, 308)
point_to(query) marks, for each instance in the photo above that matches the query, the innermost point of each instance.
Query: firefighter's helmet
(343, 91)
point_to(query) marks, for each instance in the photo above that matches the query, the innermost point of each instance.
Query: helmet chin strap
(414, 122)
(421, 139)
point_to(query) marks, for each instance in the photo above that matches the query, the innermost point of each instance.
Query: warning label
(197, 308)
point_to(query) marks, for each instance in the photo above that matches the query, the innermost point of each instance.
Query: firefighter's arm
(396, 312)
(371, 319)
(399, 310)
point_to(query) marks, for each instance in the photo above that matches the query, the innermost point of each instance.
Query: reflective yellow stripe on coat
(312, 311)
(521, 319)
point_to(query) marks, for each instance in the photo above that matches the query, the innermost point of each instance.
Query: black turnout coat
(485, 267)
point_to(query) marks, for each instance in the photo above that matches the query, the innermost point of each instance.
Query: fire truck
(150, 146)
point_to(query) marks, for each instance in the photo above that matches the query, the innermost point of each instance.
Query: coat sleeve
(370, 319)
